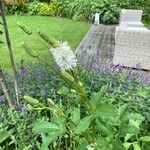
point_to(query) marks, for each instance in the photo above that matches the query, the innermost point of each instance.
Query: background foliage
(80, 9)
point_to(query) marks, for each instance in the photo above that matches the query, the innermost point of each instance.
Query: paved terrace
(97, 48)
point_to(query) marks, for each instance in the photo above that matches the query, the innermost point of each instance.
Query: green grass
(65, 29)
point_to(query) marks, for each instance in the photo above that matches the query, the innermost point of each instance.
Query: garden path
(97, 47)
(96, 50)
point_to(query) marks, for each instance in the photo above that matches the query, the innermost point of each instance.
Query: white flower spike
(64, 56)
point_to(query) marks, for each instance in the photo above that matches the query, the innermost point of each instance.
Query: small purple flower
(94, 66)
(23, 70)
(23, 109)
(43, 91)
(2, 98)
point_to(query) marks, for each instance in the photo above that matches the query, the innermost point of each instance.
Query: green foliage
(62, 120)
(44, 9)
(15, 8)
(81, 9)
(109, 10)
(4, 135)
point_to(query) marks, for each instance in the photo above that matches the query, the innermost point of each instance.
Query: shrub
(16, 8)
(109, 10)
(37, 8)
(81, 9)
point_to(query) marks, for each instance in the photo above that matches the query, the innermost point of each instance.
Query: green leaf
(96, 97)
(43, 126)
(105, 128)
(4, 135)
(136, 146)
(127, 145)
(128, 136)
(107, 111)
(145, 138)
(122, 109)
(117, 145)
(75, 115)
(63, 91)
(52, 136)
(83, 125)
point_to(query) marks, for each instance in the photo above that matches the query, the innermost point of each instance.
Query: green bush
(109, 10)
(16, 8)
(82, 9)
(37, 8)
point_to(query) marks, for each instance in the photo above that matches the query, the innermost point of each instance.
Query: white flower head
(64, 56)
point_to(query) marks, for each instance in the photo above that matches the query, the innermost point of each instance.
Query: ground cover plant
(69, 107)
(33, 126)
(63, 29)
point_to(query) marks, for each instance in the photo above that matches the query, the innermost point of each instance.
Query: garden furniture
(132, 41)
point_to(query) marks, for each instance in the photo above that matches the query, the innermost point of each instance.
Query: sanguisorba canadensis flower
(64, 56)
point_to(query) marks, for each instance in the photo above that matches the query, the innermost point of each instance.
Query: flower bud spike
(50, 40)
(28, 50)
(24, 28)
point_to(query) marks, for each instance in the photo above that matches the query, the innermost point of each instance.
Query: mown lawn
(65, 29)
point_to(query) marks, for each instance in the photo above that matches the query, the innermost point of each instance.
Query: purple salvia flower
(2, 98)
(23, 70)
(23, 109)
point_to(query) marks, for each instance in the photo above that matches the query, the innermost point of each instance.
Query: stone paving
(96, 50)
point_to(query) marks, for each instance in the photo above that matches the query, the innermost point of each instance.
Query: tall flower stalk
(10, 50)
(64, 58)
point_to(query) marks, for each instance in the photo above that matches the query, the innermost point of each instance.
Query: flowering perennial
(64, 56)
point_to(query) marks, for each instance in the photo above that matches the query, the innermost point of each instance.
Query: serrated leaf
(105, 128)
(136, 146)
(128, 130)
(135, 123)
(52, 136)
(128, 136)
(4, 135)
(127, 145)
(145, 138)
(117, 145)
(83, 125)
(107, 111)
(133, 116)
(147, 116)
(75, 115)
(45, 127)
(96, 97)
(122, 109)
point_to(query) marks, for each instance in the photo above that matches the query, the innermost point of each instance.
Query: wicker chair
(132, 41)
(131, 18)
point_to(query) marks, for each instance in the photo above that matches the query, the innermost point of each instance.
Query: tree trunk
(5, 89)
(10, 49)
